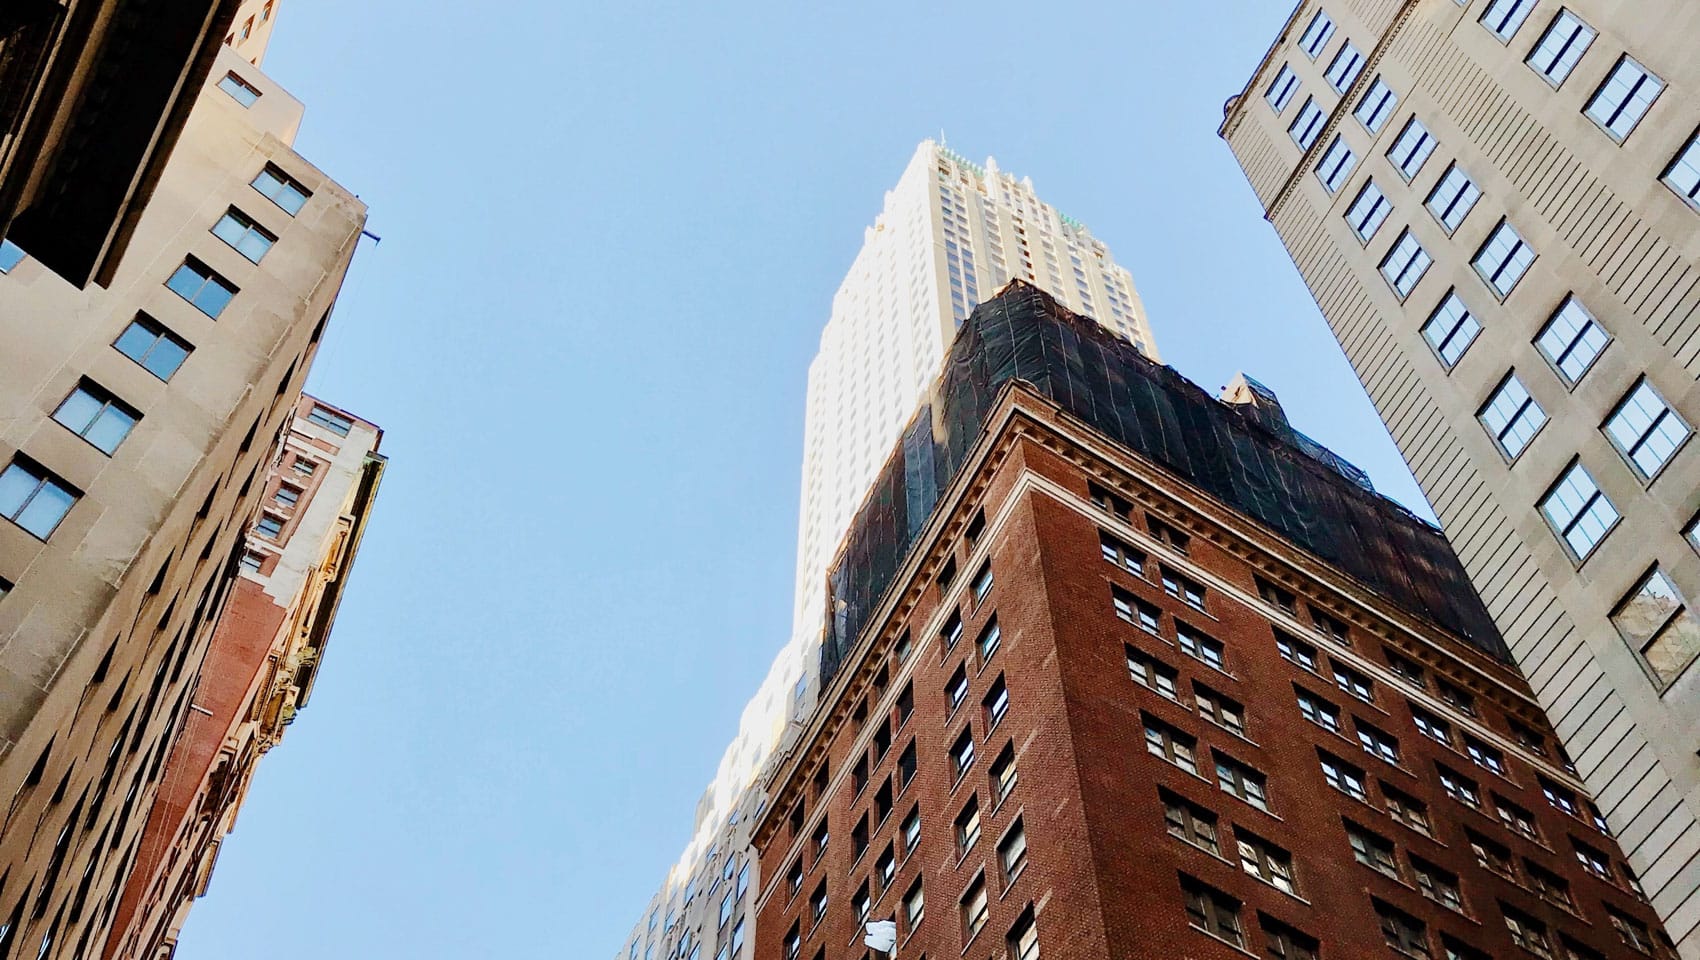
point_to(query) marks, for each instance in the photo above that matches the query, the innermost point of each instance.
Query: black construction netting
(1319, 503)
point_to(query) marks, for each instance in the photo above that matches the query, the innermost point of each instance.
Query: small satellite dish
(881, 935)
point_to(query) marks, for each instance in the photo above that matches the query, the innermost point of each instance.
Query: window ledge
(1223, 940)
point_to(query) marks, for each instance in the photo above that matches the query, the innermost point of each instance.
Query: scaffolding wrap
(1239, 454)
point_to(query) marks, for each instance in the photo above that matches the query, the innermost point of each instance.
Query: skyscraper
(1496, 204)
(1139, 673)
(136, 426)
(950, 231)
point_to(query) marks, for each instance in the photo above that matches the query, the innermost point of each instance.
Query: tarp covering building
(1240, 454)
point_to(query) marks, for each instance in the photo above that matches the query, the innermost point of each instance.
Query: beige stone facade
(1493, 204)
(150, 406)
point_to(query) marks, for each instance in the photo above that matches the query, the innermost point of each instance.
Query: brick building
(1118, 669)
(266, 651)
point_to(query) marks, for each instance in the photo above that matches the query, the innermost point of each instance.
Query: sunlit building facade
(1496, 204)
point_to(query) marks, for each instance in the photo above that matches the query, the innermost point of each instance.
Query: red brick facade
(1103, 874)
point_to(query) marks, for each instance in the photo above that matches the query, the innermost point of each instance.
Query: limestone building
(136, 426)
(1496, 204)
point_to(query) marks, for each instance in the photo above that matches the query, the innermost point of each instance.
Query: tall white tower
(951, 233)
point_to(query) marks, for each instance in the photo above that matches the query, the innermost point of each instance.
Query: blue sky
(611, 237)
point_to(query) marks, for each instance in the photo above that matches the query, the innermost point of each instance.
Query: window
(1242, 781)
(1631, 931)
(1168, 535)
(1371, 850)
(97, 416)
(989, 639)
(793, 943)
(1437, 884)
(1407, 810)
(1121, 555)
(1376, 105)
(241, 232)
(996, 703)
(330, 420)
(282, 189)
(1683, 176)
(737, 937)
(906, 765)
(1460, 788)
(885, 868)
(1200, 647)
(1593, 861)
(196, 282)
(1405, 264)
(1004, 774)
(1404, 933)
(861, 903)
(1622, 100)
(1220, 710)
(1275, 596)
(1504, 17)
(974, 909)
(1451, 329)
(1344, 69)
(817, 903)
(1572, 951)
(1527, 932)
(1432, 726)
(1551, 887)
(1318, 711)
(1166, 743)
(1108, 501)
(726, 906)
(1406, 669)
(1377, 743)
(1191, 823)
(10, 256)
(1655, 621)
(951, 632)
(1336, 165)
(1307, 125)
(1511, 417)
(1369, 211)
(1578, 512)
(1024, 939)
(1296, 650)
(1012, 851)
(1284, 943)
(33, 498)
(1460, 699)
(1152, 674)
(1265, 861)
(982, 584)
(859, 838)
(1572, 340)
(1490, 856)
(1281, 89)
(1212, 911)
(1561, 47)
(1354, 683)
(1186, 589)
(915, 905)
(947, 573)
(1316, 35)
(1345, 777)
(1527, 738)
(1452, 198)
(1515, 818)
(1134, 610)
(152, 346)
(1486, 757)
(1331, 628)
(968, 827)
(287, 496)
(1562, 798)
(251, 562)
(240, 90)
(1412, 149)
(962, 754)
(1646, 430)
